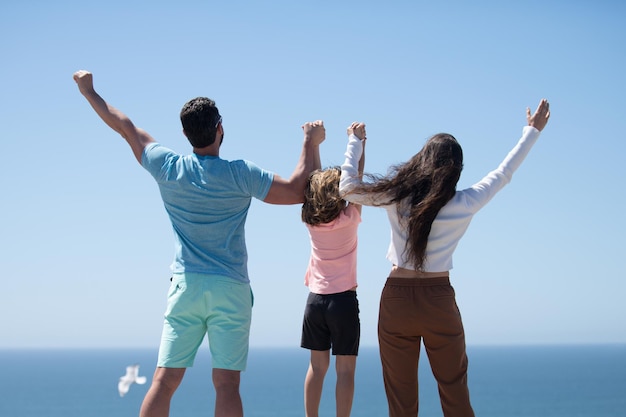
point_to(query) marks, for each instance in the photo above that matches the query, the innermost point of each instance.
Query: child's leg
(314, 381)
(345, 366)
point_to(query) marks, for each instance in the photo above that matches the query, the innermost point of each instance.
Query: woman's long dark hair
(423, 185)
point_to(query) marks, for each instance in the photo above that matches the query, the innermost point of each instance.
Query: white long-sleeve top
(452, 220)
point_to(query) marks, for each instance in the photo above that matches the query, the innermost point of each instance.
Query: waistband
(351, 291)
(418, 282)
(197, 276)
(398, 272)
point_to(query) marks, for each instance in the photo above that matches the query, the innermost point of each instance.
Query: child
(331, 316)
(428, 217)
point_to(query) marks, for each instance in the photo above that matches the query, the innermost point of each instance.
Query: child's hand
(357, 129)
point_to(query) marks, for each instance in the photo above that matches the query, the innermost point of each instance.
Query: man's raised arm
(115, 119)
(291, 191)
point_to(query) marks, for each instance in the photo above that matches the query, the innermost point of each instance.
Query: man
(207, 200)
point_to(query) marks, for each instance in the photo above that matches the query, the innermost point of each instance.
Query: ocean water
(529, 381)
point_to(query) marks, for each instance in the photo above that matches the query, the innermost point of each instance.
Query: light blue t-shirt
(207, 200)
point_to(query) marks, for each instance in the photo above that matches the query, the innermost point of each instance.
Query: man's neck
(211, 150)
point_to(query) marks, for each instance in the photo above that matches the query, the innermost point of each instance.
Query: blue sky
(86, 244)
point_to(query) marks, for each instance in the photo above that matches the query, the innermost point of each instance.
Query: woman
(428, 217)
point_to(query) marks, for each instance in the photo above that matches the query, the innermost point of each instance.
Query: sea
(504, 381)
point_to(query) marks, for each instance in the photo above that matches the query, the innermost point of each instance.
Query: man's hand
(357, 129)
(84, 79)
(314, 132)
(540, 118)
(291, 191)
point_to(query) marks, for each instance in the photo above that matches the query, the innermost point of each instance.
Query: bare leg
(345, 366)
(164, 383)
(314, 381)
(227, 397)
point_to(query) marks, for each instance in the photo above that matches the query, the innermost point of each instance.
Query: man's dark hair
(200, 118)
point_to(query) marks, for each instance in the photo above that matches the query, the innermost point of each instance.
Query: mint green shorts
(199, 304)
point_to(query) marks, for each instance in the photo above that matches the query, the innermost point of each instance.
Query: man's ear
(219, 134)
(184, 133)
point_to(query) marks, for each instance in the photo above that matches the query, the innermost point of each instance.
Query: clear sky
(86, 244)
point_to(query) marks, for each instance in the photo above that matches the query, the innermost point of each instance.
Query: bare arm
(291, 191)
(115, 119)
(358, 130)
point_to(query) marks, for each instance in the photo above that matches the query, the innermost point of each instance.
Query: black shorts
(332, 320)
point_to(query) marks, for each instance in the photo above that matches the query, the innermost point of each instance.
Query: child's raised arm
(358, 129)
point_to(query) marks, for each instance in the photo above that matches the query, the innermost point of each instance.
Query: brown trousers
(412, 310)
